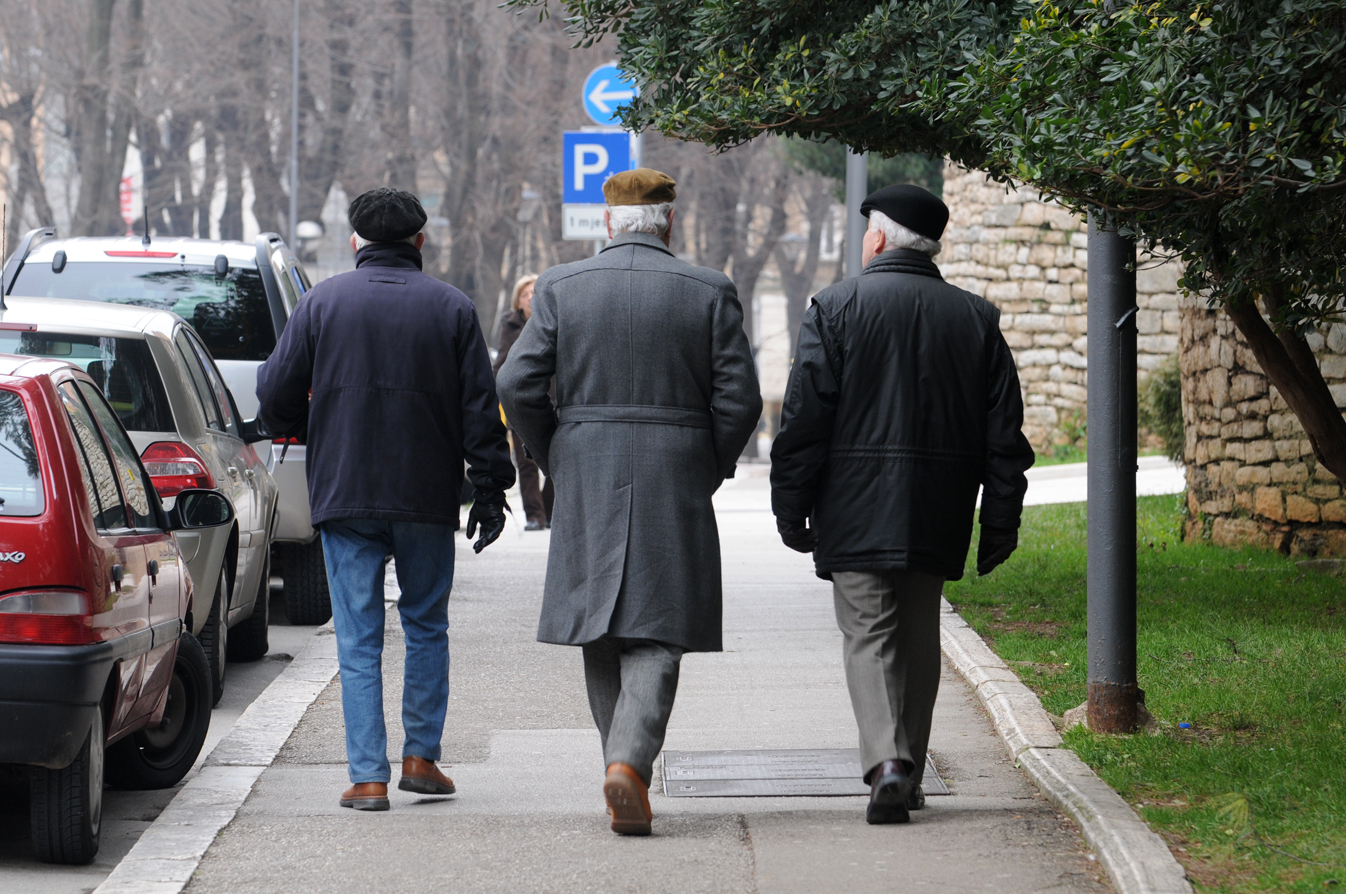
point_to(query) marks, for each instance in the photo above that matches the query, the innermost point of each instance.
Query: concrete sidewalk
(520, 745)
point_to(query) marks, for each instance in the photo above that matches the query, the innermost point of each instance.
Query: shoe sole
(889, 804)
(628, 814)
(365, 803)
(425, 786)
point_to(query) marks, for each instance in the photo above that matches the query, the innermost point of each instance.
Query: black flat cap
(919, 210)
(386, 215)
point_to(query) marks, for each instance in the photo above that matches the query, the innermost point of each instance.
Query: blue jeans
(356, 551)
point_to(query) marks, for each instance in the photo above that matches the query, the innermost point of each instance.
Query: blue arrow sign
(589, 159)
(606, 90)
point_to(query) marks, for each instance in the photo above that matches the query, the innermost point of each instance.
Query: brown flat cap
(642, 186)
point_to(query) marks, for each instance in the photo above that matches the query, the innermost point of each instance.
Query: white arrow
(601, 96)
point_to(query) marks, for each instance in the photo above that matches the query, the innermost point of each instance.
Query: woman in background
(537, 501)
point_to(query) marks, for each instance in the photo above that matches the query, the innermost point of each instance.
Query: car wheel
(158, 757)
(215, 637)
(249, 641)
(307, 600)
(66, 805)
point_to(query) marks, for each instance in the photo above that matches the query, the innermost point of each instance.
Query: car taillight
(50, 617)
(285, 441)
(175, 467)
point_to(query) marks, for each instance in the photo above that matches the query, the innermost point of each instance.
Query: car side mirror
(194, 509)
(255, 430)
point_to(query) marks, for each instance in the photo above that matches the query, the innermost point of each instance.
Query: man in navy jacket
(384, 373)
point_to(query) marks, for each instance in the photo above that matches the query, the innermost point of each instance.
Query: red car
(97, 671)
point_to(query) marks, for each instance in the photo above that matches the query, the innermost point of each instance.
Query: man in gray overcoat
(656, 397)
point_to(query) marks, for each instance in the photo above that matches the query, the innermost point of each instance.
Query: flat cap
(919, 210)
(386, 215)
(642, 186)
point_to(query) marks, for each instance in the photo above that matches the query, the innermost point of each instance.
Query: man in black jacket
(401, 394)
(902, 402)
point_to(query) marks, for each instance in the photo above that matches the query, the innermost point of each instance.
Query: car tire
(250, 640)
(307, 600)
(158, 757)
(214, 638)
(66, 806)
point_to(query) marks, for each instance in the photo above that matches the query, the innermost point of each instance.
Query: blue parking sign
(589, 160)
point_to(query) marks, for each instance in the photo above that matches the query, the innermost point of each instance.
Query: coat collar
(645, 239)
(903, 260)
(388, 254)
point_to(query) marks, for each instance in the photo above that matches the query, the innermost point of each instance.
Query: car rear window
(122, 367)
(231, 314)
(20, 472)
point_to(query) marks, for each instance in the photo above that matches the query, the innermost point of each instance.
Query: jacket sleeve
(484, 442)
(1008, 453)
(808, 416)
(509, 333)
(735, 395)
(525, 378)
(285, 379)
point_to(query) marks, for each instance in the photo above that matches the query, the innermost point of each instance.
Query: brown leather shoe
(366, 796)
(422, 776)
(628, 800)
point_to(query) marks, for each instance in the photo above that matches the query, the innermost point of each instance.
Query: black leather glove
(796, 535)
(489, 512)
(995, 547)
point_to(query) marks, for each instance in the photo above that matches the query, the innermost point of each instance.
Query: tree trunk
(402, 156)
(109, 217)
(798, 275)
(231, 218)
(18, 114)
(318, 170)
(89, 136)
(1291, 367)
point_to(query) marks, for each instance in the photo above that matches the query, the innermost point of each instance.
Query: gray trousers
(632, 684)
(890, 627)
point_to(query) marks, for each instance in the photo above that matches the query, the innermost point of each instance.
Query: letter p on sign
(589, 158)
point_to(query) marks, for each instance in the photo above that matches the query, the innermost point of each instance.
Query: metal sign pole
(1113, 693)
(294, 128)
(857, 187)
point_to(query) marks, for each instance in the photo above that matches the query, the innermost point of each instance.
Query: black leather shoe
(534, 525)
(890, 789)
(916, 800)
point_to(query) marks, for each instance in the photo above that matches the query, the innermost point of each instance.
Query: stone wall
(1030, 259)
(1251, 474)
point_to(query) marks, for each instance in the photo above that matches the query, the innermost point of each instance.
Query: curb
(1133, 855)
(167, 854)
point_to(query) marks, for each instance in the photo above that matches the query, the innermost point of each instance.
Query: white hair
(652, 219)
(898, 236)
(361, 242)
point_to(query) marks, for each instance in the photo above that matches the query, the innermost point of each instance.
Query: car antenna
(145, 240)
(4, 249)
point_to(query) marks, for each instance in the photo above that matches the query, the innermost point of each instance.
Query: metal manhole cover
(779, 773)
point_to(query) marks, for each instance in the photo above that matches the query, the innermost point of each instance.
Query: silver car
(237, 296)
(155, 371)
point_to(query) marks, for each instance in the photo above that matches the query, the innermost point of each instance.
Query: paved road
(521, 747)
(127, 814)
(1068, 483)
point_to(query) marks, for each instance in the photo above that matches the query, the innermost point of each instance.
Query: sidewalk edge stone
(166, 855)
(1133, 855)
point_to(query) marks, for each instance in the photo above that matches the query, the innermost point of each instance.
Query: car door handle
(232, 472)
(152, 567)
(117, 575)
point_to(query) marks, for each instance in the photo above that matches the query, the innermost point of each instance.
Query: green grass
(1061, 455)
(1238, 643)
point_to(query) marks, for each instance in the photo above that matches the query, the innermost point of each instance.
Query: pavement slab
(522, 750)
